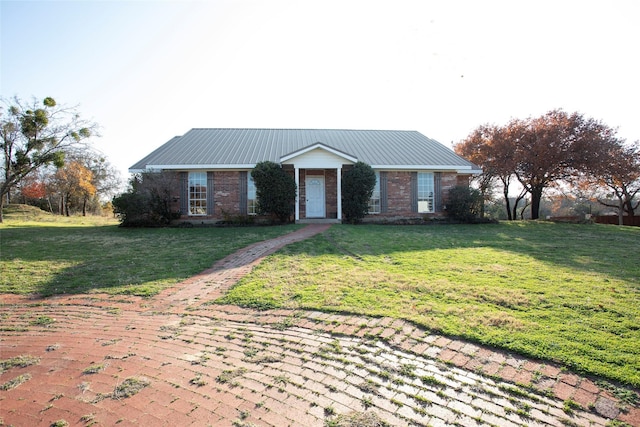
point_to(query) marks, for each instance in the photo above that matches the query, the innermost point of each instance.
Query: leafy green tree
(275, 190)
(36, 135)
(358, 183)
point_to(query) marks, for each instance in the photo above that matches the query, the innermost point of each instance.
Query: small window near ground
(425, 192)
(374, 201)
(197, 193)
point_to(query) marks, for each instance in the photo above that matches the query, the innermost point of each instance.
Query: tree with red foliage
(540, 152)
(34, 190)
(491, 147)
(617, 177)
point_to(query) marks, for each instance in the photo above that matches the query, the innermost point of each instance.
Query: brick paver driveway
(177, 360)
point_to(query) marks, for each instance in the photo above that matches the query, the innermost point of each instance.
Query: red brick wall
(450, 180)
(227, 193)
(331, 193)
(226, 196)
(398, 194)
(175, 192)
(226, 187)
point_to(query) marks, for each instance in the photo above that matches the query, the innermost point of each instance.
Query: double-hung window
(374, 201)
(425, 192)
(197, 193)
(251, 196)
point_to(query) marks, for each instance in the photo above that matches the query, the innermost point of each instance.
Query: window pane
(374, 201)
(197, 193)
(251, 195)
(425, 192)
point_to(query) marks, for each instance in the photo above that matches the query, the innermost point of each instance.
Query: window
(425, 192)
(374, 201)
(251, 196)
(197, 193)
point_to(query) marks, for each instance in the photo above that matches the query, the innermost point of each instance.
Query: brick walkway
(176, 360)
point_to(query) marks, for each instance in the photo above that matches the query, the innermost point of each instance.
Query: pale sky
(147, 71)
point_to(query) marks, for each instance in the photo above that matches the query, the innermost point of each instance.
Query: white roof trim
(208, 167)
(462, 169)
(459, 169)
(316, 146)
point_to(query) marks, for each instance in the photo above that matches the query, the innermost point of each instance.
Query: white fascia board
(197, 167)
(316, 146)
(423, 167)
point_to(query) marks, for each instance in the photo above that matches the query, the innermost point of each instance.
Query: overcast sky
(150, 70)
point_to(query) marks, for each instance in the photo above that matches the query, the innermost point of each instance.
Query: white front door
(315, 196)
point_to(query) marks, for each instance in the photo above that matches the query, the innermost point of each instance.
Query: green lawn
(80, 255)
(559, 292)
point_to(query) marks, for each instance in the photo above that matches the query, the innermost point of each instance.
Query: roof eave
(458, 169)
(447, 168)
(152, 168)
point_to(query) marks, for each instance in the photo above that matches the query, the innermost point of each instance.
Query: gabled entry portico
(318, 163)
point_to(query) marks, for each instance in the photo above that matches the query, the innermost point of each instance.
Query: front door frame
(321, 212)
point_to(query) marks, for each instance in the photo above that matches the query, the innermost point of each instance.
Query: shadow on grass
(605, 249)
(57, 260)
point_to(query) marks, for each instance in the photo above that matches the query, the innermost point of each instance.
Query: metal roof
(243, 148)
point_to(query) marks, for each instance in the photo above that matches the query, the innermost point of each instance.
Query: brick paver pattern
(179, 360)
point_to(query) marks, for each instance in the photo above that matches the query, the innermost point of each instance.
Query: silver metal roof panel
(228, 148)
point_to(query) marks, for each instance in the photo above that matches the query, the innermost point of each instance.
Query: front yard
(559, 292)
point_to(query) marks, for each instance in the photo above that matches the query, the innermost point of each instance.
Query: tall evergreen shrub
(358, 183)
(275, 190)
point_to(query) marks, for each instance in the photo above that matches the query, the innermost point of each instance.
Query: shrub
(147, 203)
(275, 190)
(464, 203)
(357, 187)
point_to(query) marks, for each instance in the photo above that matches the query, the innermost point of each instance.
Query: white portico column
(339, 192)
(297, 176)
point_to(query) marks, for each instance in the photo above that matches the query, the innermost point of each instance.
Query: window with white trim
(252, 200)
(374, 201)
(197, 193)
(425, 192)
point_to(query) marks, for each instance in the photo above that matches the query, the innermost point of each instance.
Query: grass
(94, 369)
(130, 387)
(560, 292)
(15, 382)
(228, 375)
(21, 361)
(355, 419)
(48, 254)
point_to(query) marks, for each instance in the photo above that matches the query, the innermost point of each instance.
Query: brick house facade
(213, 167)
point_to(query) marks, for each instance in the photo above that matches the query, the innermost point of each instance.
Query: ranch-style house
(213, 171)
